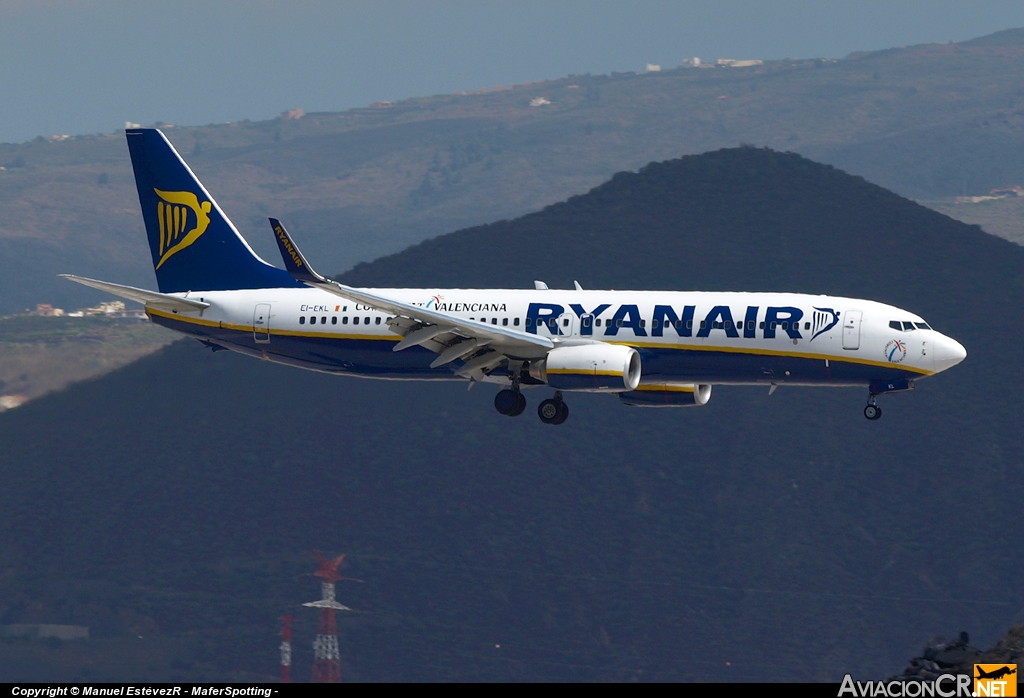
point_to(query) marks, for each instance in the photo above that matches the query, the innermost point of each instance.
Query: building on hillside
(538, 102)
(47, 310)
(381, 105)
(653, 68)
(293, 114)
(690, 63)
(733, 63)
(106, 308)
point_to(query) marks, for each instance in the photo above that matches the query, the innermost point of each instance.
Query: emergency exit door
(261, 323)
(851, 329)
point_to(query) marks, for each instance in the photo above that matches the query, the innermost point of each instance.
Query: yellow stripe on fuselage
(651, 345)
(774, 352)
(277, 333)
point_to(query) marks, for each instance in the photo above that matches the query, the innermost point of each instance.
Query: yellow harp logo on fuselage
(172, 212)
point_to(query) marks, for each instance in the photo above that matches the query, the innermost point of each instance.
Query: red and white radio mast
(326, 656)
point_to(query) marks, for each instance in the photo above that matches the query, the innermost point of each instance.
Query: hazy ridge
(926, 121)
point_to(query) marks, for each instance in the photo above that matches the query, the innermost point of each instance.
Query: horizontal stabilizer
(152, 299)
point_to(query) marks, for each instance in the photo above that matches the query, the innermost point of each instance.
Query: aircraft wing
(433, 324)
(163, 301)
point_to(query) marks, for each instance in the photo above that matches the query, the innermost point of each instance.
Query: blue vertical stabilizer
(195, 247)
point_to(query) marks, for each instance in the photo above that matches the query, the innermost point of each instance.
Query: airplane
(650, 348)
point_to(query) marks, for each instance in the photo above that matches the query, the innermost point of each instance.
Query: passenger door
(851, 329)
(261, 323)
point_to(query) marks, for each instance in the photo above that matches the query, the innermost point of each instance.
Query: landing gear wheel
(873, 412)
(520, 405)
(553, 411)
(563, 413)
(506, 401)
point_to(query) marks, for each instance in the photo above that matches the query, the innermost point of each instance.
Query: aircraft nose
(948, 353)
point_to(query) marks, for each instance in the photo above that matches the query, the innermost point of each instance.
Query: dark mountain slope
(774, 538)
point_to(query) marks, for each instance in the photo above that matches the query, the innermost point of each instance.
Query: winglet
(294, 261)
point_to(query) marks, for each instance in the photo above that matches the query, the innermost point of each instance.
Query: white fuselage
(683, 337)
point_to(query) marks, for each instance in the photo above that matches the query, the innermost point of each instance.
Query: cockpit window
(922, 325)
(896, 325)
(908, 326)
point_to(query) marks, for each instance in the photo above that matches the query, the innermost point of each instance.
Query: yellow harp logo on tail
(173, 215)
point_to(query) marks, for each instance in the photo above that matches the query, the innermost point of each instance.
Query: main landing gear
(511, 403)
(872, 411)
(553, 411)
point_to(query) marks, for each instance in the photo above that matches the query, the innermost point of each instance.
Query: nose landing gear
(872, 411)
(553, 411)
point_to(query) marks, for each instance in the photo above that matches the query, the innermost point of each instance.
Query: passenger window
(586, 320)
(597, 322)
(377, 321)
(785, 324)
(334, 320)
(689, 324)
(703, 324)
(516, 322)
(312, 319)
(355, 321)
(774, 325)
(678, 324)
(618, 323)
(654, 324)
(504, 322)
(344, 320)
(728, 325)
(643, 323)
(494, 321)
(302, 320)
(922, 325)
(750, 325)
(807, 325)
(366, 321)
(896, 325)
(762, 324)
(908, 326)
(565, 322)
(323, 321)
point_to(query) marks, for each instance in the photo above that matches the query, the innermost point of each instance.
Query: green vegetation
(926, 121)
(757, 538)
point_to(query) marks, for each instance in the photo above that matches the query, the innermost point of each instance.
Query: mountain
(780, 537)
(927, 121)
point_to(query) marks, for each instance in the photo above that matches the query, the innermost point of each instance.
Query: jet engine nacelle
(590, 368)
(667, 395)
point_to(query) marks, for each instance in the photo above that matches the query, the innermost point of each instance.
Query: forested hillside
(926, 121)
(172, 505)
